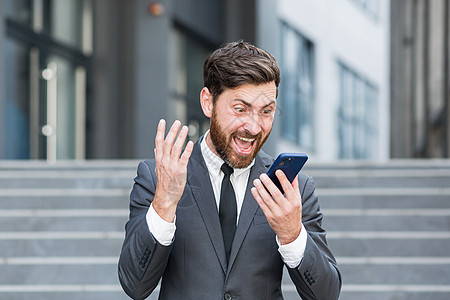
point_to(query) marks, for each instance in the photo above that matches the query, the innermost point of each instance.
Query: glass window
(16, 113)
(63, 20)
(46, 92)
(296, 91)
(65, 77)
(357, 116)
(67, 21)
(19, 10)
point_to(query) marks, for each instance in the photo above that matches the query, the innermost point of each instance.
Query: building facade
(90, 79)
(86, 79)
(334, 99)
(420, 79)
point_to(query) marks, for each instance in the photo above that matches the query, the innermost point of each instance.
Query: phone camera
(286, 160)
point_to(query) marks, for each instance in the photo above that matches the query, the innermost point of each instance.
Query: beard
(223, 144)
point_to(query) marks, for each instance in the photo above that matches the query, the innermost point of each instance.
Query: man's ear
(206, 101)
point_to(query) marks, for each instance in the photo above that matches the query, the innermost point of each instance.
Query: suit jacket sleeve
(317, 276)
(142, 260)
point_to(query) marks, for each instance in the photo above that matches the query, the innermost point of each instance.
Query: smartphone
(290, 164)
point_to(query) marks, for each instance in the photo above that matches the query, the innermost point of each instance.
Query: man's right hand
(171, 168)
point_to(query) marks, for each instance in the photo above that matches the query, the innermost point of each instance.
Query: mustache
(247, 135)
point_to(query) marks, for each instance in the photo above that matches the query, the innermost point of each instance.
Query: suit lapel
(249, 206)
(203, 194)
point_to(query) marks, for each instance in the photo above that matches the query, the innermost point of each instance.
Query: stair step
(60, 182)
(339, 201)
(104, 223)
(97, 246)
(72, 165)
(394, 164)
(60, 274)
(433, 246)
(431, 222)
(66, 292)
(393, 291)
(397, 274)
(112, 199)
(384, 182)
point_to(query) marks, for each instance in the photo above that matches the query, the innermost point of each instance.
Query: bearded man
(206, 219)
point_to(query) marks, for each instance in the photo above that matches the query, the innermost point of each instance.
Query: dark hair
(238, 63)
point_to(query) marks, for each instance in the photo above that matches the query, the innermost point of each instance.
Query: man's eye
(267, 111)
(239, 109)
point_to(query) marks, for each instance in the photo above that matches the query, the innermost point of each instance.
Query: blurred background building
(420, 79)
(334, 98)
(91, 78)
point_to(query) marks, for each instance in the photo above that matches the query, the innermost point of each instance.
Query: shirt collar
(214, 162)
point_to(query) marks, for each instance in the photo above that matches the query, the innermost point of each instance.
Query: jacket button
(227, 296)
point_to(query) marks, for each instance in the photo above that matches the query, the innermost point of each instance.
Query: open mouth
(244, 145)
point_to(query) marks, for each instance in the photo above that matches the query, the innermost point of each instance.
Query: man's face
(241, 122)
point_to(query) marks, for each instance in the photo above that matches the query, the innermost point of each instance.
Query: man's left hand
(283, 212)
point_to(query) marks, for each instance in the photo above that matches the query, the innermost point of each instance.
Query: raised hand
(283, 212)
(171, 168)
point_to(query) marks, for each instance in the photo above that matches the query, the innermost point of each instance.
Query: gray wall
(420, 93)
(130, 77)
(150, 75)
(104, 132)
(202, 18)
(240, 20)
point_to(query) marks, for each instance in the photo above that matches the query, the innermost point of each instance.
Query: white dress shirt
(164, 232)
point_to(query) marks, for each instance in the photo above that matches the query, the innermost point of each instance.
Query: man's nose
(252, 124)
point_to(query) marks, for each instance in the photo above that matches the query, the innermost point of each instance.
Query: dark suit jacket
(194, 266)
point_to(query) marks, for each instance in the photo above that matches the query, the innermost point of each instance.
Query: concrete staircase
(61, 228)
(389, 227)
(62, 225)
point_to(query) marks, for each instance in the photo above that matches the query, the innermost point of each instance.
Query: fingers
(184, 159)
(269, 194)
(171, 146)
(260, 194)
(170, 138)
(263, 192)
(296, 186)
(284, 214)
(259, 200)
(159, 139)
(271, 187)
(178, 145)
(288, 187)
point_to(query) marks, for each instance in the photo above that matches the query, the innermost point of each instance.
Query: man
(207, 238)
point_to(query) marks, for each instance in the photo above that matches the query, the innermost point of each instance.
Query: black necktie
(227, 209)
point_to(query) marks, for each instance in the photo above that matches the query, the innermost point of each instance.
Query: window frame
(297, 96)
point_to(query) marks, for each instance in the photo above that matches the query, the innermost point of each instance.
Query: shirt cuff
(293, 252)
(163, 231)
